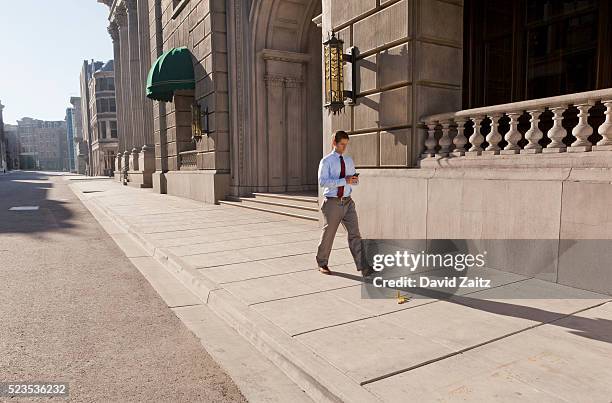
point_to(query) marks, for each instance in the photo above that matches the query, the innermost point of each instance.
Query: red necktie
(342, 169)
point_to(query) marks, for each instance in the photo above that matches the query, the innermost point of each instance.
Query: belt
(341, 199)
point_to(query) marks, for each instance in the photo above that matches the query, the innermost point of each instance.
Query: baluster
(494, 137)
(582, 130)
(445, 140)
(513, 136)
(534, 134)
(430, 142)
(557, 132)
(476, 139)
(605, 144)
(460, 140)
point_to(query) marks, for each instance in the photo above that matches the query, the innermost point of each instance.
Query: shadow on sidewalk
(592, 328)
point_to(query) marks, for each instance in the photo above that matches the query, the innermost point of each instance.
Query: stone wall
(405, 48)
(200, 26)
(552, 217)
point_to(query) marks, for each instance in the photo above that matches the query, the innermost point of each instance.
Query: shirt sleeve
(325, 179)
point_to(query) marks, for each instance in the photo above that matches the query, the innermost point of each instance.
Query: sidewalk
(257, 272)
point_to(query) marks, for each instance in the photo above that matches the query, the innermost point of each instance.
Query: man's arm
(325, 179)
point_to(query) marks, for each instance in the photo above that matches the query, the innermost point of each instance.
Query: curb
(319, 379)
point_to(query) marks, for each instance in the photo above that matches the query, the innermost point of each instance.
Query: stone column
(136, 85)
(294, 134)
(159, 108)
(113, 30)
(123, 79)
(275, 132)
(145, 65)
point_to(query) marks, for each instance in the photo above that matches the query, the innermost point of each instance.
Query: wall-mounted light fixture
(336, 94)
(197, 131)
(196, 121)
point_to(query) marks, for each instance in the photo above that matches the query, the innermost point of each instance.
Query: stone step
(301, 212)
(309, 199)
(282, 203)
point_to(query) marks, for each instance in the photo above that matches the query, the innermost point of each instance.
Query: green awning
(172, 71)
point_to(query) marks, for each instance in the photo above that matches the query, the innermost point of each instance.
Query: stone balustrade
(573, 123)
(188, 160)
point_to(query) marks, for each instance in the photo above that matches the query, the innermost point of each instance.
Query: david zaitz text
(448, 263)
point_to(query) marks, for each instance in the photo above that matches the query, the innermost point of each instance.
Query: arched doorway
(278, 144)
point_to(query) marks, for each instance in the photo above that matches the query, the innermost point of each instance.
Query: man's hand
(352, 180)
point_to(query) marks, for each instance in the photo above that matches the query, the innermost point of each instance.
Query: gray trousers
(336, 212)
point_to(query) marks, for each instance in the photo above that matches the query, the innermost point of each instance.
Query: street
(74, 309)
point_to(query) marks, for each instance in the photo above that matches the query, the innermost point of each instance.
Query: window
(113, 129)
(104, 105)
(102, 129)
(177, 7)
(526, 49)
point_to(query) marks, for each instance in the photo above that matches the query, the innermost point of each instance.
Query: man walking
(336, 176)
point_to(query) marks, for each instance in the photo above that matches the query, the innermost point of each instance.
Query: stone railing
(573, 123)
(188, 160)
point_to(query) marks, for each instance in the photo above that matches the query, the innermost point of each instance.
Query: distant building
(99, 116)
(79, 145)
(12, 146)
(3, 144)
(70, 139)
(42, 144)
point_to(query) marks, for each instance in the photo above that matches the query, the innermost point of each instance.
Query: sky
(42, 47)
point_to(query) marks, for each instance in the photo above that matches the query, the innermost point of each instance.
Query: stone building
(99, 116)
(468, 119)
(79, 145)
(42, 144)
(70, 139)
(12, 146)
(3, 144)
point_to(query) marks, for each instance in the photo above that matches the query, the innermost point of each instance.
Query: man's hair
(339, 135)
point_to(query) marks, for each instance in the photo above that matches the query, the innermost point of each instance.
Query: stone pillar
(159, 108)
(124, 80)
(118, 165)
(134, 158)
(275, 129)
(137, 93)
(125, 167)
(113, 30)
(145, 65)
(294, 134)
(146, 160)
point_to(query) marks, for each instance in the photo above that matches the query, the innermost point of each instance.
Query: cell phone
(356, 174)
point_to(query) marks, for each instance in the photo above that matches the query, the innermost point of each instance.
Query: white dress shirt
(329, 174)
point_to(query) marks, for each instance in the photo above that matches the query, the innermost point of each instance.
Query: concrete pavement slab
(532, 299)
(454, 325)
(310, 312)
(458, 379)
(246, 242)
(251, 254)
(375, 306)
(371, 348)
(571, 358)
(271, 267)
(271, 288)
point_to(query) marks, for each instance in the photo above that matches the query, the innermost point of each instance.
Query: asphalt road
(74, 309)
